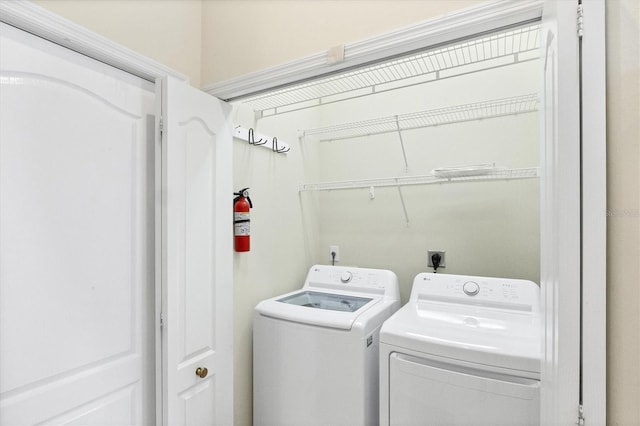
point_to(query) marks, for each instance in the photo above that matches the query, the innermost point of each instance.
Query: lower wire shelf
(399, 181)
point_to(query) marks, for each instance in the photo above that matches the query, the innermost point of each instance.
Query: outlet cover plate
(335, 249)
(442, 258)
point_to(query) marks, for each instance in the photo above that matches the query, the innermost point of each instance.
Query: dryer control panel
(361, 280)
(482, 291)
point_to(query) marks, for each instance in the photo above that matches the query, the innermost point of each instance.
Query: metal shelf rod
(400, 181)
(484, 53)
(418, 120)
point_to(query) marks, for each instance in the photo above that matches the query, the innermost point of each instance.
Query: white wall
(486, 228)
(282, 241)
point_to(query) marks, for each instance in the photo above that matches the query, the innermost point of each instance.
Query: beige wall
(232, 37)
(623, 205)
(249, 35)
(168, 31)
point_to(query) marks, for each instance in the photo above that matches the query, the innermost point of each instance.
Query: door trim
(594, 213)
(39, 21)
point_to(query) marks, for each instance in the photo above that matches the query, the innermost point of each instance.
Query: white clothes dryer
(463, 351)
(315, 350)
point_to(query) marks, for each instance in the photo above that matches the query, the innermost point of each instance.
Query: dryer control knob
(346, 276)
(471, 288)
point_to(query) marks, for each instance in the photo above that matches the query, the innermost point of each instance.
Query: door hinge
(161, 125)
(161, 320)
(580, 415)
(580, 20)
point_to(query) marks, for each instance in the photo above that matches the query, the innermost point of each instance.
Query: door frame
(584, 384)
(594, 213)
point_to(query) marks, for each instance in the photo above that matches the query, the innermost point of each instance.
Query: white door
(197, 281)
(560, 228)
(76, 238)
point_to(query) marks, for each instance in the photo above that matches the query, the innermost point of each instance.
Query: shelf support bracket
(404, 207)
(404, 154)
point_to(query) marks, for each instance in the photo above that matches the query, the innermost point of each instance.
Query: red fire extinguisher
(241, 220)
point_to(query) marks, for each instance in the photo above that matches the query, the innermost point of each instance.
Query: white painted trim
(594, 217)
(560, 215)
(158, 255)
(433, 32)
(39, 21)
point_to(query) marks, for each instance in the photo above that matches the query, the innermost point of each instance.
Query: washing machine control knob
(471, 288)
(346, 277)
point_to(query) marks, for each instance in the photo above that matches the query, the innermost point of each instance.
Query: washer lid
(480, 335)
(334, 310)
(326, 301)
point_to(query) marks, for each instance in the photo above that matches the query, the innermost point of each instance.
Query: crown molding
(43, 23)
(433, 32)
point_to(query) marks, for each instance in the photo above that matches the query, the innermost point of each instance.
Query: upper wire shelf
(472, 55)
(435, 117)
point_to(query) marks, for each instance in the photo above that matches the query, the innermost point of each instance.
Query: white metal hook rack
(254, 138)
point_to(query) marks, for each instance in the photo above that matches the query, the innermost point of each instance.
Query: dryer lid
(498, 325)
(485, 338)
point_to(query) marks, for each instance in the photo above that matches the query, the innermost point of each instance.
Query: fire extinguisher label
(241, 223)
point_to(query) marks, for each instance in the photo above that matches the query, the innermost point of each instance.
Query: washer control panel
(352, 279)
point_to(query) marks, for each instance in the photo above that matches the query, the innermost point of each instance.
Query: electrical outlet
(430, 254)
(336, 250)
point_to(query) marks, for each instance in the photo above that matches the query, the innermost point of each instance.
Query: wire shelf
(487, 52)
(484, 175)
(435, 117)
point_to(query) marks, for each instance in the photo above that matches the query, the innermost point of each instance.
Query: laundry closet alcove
(489, 186)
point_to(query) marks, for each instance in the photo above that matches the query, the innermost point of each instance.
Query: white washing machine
(315, 350)
(463, 351)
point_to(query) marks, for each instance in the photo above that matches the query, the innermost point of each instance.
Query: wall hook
(274, 146)
(252, 139)
(256, 139)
